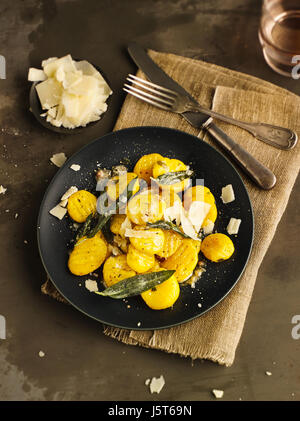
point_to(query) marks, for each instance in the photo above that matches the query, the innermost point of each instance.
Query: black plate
(37, 110)
(215, 283)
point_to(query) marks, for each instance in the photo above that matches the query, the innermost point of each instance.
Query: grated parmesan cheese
(227, 195)
(2, 190)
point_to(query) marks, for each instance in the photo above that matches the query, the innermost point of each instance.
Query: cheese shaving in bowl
(73, 94)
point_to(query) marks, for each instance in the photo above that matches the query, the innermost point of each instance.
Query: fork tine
(154, 97)
(143, 98)
(158, 89)
(152, 84)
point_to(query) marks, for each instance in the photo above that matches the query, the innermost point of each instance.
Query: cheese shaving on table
(58, 159)
(227, 194)
(218, 393)
(157, 384)
(2, 190)
(58, 211)
(233, 226)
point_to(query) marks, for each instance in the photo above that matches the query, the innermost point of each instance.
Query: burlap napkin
(216, 334)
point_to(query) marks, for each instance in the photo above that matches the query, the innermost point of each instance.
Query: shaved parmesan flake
(75, 167)
(157, 384)
(227, 194)
(49, 93)
(58, 211)
(126, 224)
(197, 213)
(69, 192)
(64, 203)
(209, 227)
(91, 285)
(147, 382)
(2, 190)
(138, 233)
(218, 393)
(114, 250)
(188, 227)
(233, 226)
(58, 159)
(76, 88)
(36, 75)
(173, 213)
(48, 60)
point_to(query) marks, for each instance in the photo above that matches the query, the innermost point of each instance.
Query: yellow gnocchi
(144, 167)
(167, 165)
(152, 243)
(184, 260)
(163, 295)
(139, 261)
(118, 184)
(88, 255)
(217, 247)
(157, 231)
(81, 204)
(145, 207)
(116, 224)
(171, 244)
(116, 269)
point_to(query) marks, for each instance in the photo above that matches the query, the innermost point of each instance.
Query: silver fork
(169, 100)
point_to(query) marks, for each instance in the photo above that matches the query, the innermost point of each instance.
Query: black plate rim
(102, 138)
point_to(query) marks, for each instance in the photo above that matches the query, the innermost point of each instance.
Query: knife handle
(260, 174)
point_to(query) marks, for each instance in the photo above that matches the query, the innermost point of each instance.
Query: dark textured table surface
(80, 363)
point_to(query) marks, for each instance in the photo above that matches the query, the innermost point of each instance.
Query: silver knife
(260, 174)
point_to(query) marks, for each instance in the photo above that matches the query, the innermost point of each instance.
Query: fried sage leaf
(173, 177)
(166, 225)
(137, 284)
(85, 228)
(95, 223)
